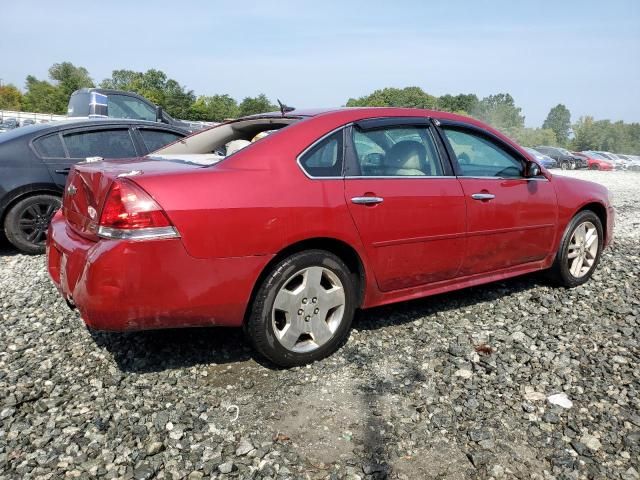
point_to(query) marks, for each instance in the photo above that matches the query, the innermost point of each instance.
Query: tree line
(499, 110)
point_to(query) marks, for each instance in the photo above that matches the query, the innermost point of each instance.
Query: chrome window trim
(476, 177)
(301, 154)
(420, 177)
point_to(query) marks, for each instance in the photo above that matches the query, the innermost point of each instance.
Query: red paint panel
(515, 227)
(416, 235)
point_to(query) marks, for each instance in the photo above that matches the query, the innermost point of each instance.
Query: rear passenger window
(155, 139)
(49, 146)
(325, 158)
(116, 143)
(397, 152)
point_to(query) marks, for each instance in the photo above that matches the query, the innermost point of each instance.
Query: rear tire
(579, 251)
(595, 167)
(26, 223)
(565, 165)
(303, 309)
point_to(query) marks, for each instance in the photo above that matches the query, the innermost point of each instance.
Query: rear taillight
(130, 213)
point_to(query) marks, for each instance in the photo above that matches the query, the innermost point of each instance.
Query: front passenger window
(480, 157)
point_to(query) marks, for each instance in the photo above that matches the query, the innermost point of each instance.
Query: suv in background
(565, 158)
(109, 103)
(35, 161)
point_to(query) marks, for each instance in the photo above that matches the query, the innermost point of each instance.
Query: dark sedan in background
(566, 160)
(35, 161)
(541, 158)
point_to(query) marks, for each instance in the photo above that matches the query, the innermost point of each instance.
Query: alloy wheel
(34, 221)
(308, 309)
(582, 249)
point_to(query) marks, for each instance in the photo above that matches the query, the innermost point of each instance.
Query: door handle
(63, 171)
(483, 196)
(367, 200)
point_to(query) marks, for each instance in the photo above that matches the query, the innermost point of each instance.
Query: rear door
(51, 150)
(407, 206)
(105, 142)
(510, 218)
(59, 151)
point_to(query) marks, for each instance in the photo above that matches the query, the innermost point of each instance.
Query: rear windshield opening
(217, 143)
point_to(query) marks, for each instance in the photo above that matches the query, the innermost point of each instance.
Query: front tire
(579, 251)
(27, 222)
(303, 310)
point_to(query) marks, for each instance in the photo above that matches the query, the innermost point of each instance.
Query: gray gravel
(451, 387)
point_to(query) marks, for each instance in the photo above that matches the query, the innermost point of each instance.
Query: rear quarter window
(324, 159)
(49, 146)
(155, 139)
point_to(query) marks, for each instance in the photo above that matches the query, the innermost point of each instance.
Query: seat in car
(406, 158)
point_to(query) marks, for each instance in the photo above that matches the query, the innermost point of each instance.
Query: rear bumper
(126, 285)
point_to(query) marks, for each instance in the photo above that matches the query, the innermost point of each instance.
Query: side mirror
(159, 114)
(533, 169)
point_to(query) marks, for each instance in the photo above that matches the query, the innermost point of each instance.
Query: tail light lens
(130, 213)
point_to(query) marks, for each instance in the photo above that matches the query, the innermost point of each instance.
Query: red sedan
(285, 224)
(595, 161)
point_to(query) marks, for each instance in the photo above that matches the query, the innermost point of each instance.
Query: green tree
(43, 97)
(10, 98)
(530, 137)
(70, 78)
(499, 111)
(215, 108)
(47, 97)
(254, 105)
(559, 120)
(155, 86)
(413, 97)
(462, 103)
(617, 137)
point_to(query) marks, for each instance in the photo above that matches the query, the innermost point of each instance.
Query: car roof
(42, 128)
(355, 113)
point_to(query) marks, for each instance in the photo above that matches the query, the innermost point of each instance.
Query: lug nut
(316, 310)
(300, 312)
(307, 318)
(314, 299)
(304, 300)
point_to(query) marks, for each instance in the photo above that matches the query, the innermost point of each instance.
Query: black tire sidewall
(11, 223)
(561, 268)
(259, 325)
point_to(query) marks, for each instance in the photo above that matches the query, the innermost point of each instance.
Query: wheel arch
(340, 248)
(601, 211)
(21, 193)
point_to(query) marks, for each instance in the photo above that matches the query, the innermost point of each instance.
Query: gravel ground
(511, 380)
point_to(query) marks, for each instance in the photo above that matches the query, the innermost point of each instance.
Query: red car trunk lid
(89, 183)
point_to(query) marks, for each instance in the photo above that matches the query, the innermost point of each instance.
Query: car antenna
(284, 108)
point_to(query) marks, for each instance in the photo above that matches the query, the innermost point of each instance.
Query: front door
(510, 218)
(408, 208)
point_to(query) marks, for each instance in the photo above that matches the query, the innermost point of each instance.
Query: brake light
(131, 213)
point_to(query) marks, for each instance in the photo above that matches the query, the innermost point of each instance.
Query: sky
(584, 54)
